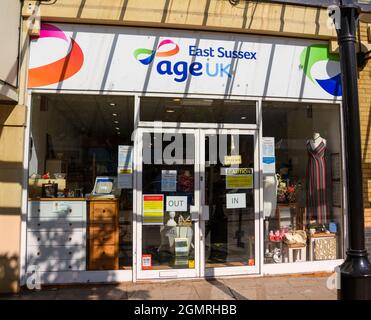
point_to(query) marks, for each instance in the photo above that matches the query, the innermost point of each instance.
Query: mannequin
(171, 222)
(316, 140)
(187, 173)
(317, 199)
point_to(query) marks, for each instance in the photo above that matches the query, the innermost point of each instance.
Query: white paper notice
(168, 180)
(268, 155)
(125, 167)
(236, 200)
(125, 157)
(125, 178)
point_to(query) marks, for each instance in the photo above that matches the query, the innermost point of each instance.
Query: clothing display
(317, 207)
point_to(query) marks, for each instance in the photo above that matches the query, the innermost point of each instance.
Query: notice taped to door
(239, 178)
(153, 209)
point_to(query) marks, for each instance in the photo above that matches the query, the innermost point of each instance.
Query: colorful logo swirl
(314, 54)
(155, 53)
(59, 70)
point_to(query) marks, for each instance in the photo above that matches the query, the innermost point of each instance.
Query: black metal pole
(355, 279)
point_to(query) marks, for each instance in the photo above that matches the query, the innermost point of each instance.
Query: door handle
(195, 216)
(205, 214)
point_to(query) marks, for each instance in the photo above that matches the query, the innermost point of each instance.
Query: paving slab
(231, 288)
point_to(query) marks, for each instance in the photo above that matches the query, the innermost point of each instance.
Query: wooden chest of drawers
(103, 234)
(56, 235)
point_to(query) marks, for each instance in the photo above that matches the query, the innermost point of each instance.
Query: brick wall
(368, 241)
(365, 118)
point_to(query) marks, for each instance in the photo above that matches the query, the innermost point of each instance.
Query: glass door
(167, 198)
(229, 202)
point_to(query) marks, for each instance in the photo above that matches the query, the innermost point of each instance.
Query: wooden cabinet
(103, 234)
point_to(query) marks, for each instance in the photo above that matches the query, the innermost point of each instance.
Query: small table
(328, 240)
(296, 252)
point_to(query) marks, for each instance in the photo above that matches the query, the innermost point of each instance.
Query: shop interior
(76, 143)
(303, 206)
(74, 140)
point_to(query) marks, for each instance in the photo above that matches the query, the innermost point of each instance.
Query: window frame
(321, 3)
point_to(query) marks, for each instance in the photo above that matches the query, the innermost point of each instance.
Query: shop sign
(236, 200)
(176, 203)
(153, 209)
(65, 57)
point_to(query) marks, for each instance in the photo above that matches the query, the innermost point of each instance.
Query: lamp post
(355, 283)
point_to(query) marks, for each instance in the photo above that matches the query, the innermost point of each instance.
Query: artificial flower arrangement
(277, 235)
(286, 192)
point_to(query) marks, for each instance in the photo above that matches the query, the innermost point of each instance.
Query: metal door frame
(223, 271)
(138, 169)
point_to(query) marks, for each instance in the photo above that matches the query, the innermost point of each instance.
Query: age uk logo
(61, 69)
(322, 67)
(181, 70)
(155, 53)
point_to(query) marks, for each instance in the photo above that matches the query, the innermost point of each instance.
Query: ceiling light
(170, 110)
(117, 128)
(115, 121)
(112, 104)
(176, 99)
(243, 118)
(114, 114)
(118, 132)
(197, 102)
(232, 101)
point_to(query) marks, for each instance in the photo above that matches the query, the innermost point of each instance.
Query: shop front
(163, 154)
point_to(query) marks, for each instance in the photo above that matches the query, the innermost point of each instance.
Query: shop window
(80, 212)
(303, 183)
(197, 110)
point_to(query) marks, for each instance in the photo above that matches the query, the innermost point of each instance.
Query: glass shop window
(303, 182)
(197, 110)
(80, 183)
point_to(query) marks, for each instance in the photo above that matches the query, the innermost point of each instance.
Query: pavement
(303, 287)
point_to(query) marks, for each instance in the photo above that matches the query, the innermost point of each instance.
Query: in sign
(175, 203)
(236, 200)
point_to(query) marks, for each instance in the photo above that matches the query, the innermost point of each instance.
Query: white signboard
(236, 200)
(108, 58)
(176, 203)
(268, 155)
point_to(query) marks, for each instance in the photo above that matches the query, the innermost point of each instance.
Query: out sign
(176, 204)
(236, 200)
